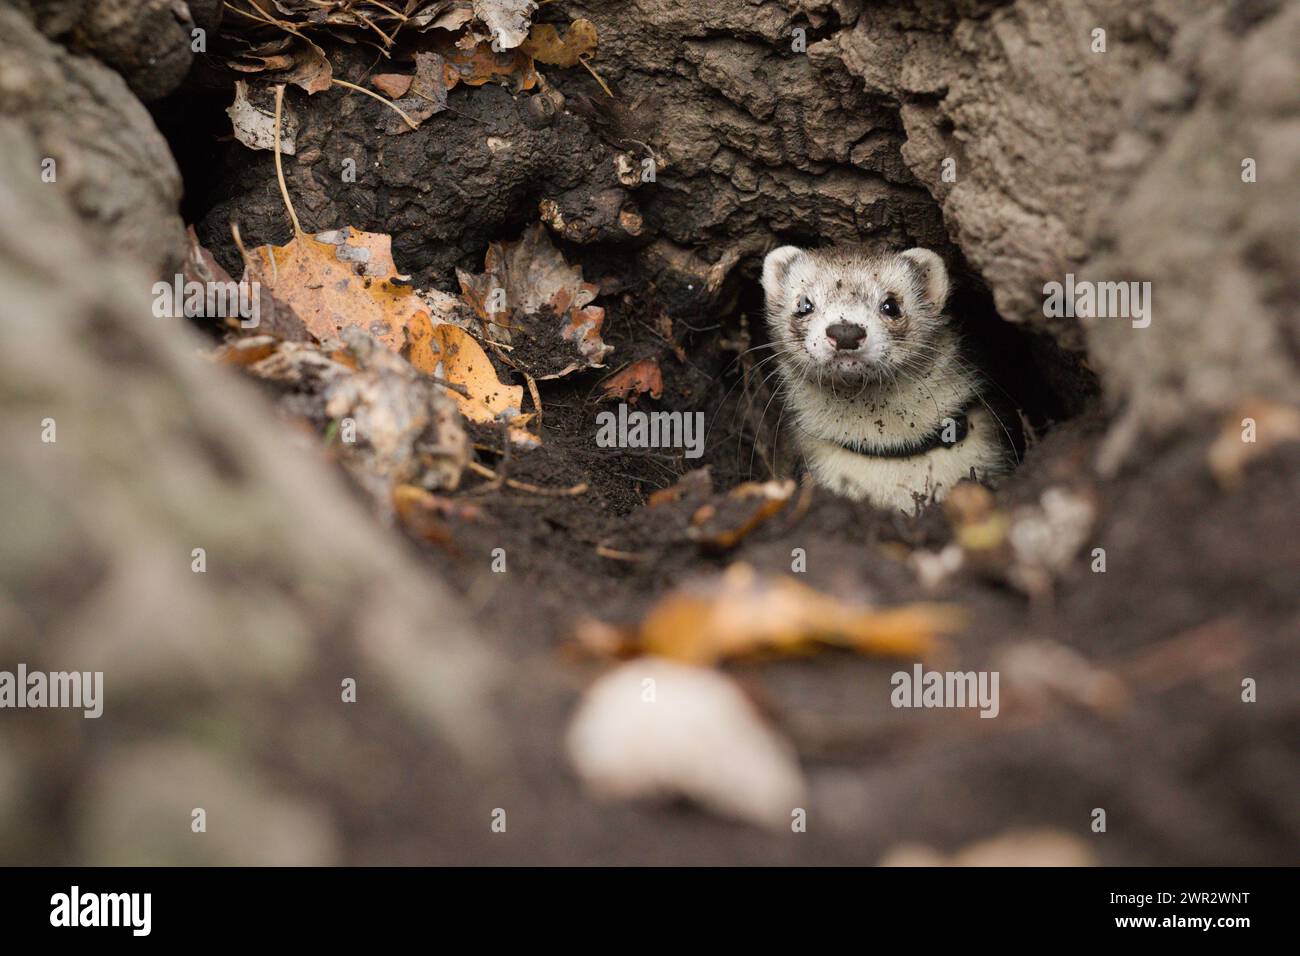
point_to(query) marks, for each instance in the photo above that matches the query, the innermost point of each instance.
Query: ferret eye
(804, 306)
(890, 307)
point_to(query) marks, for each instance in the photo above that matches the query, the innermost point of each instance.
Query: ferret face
(846, 317)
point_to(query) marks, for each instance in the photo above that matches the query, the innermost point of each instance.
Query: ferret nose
(846, 335)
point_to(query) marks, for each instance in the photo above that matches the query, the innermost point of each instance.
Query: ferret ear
(933, 275)
(776, 266)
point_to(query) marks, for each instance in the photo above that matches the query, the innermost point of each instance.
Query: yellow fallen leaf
(742, 613)
(453, 354)
(337, 278)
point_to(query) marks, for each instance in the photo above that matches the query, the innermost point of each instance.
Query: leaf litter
(388, 373)
(530, 298)
(447, 42)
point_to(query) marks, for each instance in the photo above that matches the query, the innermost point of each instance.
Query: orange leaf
(339, 278)
(641, 377)
(742, 613)
(746, 507)
(453, 353)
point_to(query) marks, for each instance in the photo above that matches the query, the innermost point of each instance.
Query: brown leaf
(303, 64)
(426, 95)
(694, 484)
(245, 352)
(436, 17)
(340, 278)
(480, 64)
(545, 46)
(273, 318)
(640, 378)
(527, 286)
(392, 85)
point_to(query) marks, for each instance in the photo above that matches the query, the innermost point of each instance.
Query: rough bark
(156, 453)
(110, 162)
(149, 42)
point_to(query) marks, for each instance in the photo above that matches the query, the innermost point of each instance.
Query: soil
(1188, 773)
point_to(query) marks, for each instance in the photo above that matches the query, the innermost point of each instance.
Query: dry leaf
(748, 505)
(438, 18)
(254, 126)
(528, 288)
(507, 20)
(245, 352)
(452, 353)
(425, 96)
(545, 46)
(341, 278)
(741, 613)
(642, 377)
(697, 483)
(294, 61)
(272, 318)
(392, 85)
(404, 429)
(654, 729)
(311, 70)
(479, 63)
(407, 429)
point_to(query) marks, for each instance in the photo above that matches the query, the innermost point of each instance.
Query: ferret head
(849, 317)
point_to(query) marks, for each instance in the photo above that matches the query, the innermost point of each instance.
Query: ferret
(885, 404)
